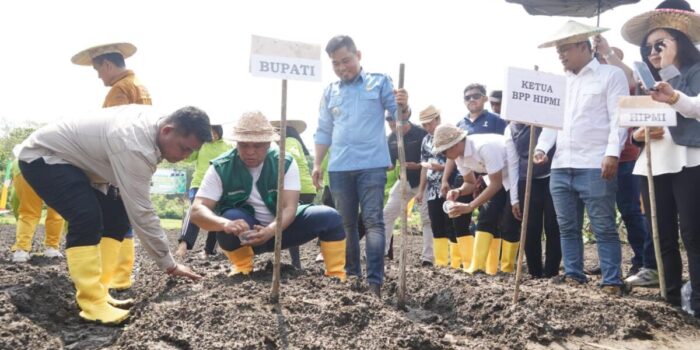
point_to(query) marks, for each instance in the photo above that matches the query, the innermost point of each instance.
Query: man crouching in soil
(238, 196)
(96, 172)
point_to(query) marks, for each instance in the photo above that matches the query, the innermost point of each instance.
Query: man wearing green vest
(238, 196)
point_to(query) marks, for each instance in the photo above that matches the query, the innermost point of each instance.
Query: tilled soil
(445, 309)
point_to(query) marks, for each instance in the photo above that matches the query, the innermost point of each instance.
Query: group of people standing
(95, 172)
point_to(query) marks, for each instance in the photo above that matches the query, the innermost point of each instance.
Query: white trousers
(392, 210)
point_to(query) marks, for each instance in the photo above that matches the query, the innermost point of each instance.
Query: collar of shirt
(360, 78)
(156, 129)
(591, 66)
(469, 120)
(119, 77)
(468, 148)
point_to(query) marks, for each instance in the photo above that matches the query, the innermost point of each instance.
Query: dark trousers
(541, 215)
(492, 215)
(190, 231)
(678, 201)
(294, 255)
(638, 234)
(90, 213)
(316, 221)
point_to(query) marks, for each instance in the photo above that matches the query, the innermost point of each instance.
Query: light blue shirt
(351, 119)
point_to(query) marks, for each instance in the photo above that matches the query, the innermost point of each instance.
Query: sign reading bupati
(534, 97)
(273, 58)
(169, 181)
(643, 111)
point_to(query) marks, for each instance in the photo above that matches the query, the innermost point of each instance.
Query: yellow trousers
(29, 209)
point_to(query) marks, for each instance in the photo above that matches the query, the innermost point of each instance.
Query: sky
(197, 52)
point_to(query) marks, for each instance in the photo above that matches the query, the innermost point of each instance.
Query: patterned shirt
(433, 177)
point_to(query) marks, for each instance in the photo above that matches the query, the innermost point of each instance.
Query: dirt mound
(445, 309)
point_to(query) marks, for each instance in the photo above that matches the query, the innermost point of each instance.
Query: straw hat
(84, 58)
(298, 125)
(429, 114)
(639, 26)
(572, 32)
(254, 127)
(447, 136)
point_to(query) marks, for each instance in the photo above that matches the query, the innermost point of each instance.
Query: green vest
(237, 182)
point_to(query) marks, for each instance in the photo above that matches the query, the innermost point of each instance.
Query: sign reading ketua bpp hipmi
(274, 58)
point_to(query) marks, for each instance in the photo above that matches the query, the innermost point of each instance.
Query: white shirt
(689, 107)
(212, 188)
(590, 130)
(667, 157)
(484, 153)
(114, 145)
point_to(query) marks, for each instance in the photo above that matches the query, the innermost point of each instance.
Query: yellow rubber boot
(466, 249)
(85, 270)
(125, 265)
(494, 256)
(28, 213)
(242, 260)
(109, 250)
(441, 252)
(334, 258)
(455, 257)
(482, 242)
(53, 227)
(508, 256)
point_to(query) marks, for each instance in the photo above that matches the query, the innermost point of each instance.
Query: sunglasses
(657, 46)
(473, 97)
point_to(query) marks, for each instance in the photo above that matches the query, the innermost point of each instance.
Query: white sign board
(643, 111)
(273, 58)
(534, 97)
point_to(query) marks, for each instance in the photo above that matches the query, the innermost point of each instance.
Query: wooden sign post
(644, 112)
(537, 99)
(403, 186)
(273, 58)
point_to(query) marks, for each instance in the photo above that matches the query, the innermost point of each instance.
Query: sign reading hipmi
(273, 58)
(643, 111)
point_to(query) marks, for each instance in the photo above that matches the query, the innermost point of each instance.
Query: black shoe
(375, 289)
(564, 279)
(595, 270)
(426, 264)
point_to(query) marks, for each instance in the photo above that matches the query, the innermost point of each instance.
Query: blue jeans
(572, 190)
(629, 205)
(318, 221)
(363, 188)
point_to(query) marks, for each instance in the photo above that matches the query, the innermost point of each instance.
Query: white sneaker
(644, 278)
(52, 253)
(319, 257)
(20, 256)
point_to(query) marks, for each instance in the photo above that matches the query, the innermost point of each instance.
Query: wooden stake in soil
(525, 213)
(654, 224)
(275, 292)
(403, 186)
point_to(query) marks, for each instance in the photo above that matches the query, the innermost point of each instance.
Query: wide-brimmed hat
(84, 58)
(686, 22)
(428, 114)
(447, 136)
(298, 125)
(572, 32)
(254, 127)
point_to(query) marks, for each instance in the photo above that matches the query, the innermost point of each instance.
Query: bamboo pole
(525, 213)
(275, 292)
(654, 223)
(403, 186)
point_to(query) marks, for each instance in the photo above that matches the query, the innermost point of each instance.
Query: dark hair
(477, 86)
(497, 94)
(675, 4)
(113, 57)
(218, 130)
(687, 54)
(338, 42)
(291, 132)
(190, 120)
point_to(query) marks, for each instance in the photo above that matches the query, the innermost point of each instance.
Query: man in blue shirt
(351, 118)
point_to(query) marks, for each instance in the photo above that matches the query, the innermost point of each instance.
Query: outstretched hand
(184, 271)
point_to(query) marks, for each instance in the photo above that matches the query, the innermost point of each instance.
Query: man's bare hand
(260, 235)
(608, 169)
(539, 157)
(184, 271)
(236, 227)
(516, 212)
(317, 178)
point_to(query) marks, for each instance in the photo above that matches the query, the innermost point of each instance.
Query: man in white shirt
(584, 165)
(238, 200)
(72, 165)
(486, 154)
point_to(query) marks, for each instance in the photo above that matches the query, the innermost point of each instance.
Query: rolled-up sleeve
(133, 177)
(324, 132)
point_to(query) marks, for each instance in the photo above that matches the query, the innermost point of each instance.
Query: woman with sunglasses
(667, 36)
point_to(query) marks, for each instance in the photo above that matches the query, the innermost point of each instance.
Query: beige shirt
(114, 145)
